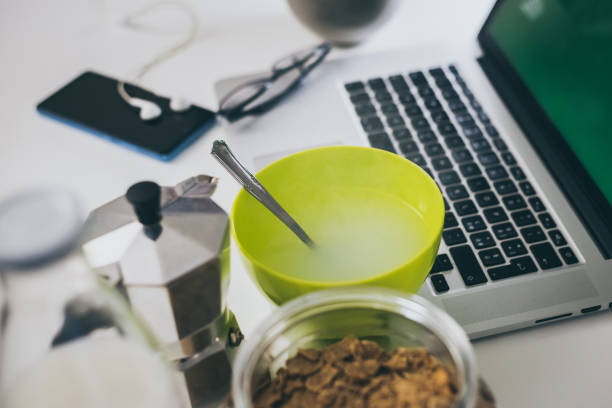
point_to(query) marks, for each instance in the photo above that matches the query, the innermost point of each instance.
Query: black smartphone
(91, 102)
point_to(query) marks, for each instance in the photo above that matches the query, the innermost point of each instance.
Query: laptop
(515, 131)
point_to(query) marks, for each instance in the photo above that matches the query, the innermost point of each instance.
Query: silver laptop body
(321, 113)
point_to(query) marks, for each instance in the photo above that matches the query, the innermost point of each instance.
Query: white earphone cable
(129, 21)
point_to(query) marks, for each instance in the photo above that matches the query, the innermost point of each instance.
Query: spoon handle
(224, 155)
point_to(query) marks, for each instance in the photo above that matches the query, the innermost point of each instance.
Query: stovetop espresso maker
(167, 249)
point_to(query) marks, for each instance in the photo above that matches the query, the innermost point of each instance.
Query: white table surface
(44, 44)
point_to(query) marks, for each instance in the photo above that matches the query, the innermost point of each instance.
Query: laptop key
(465, 207)
(398, 83)
(425, 91)
(354, 86)
(381, 141)
(545, 255)
(547, 221)
(454, 142)
(441, 163)
(439, 283)
(439, 117)
(500, 144)
(441, 264)
(496, 172)
(478, 184)
(453, 236)
(413, 110)
(395, 121)
(514, 202)
(557, 237)
(452, 68)
(417, 78)
(482, 116)
(505, 187)
(450, 220)
(437, 72)
(480, 145)
(491, 131)
(401, 134)
(508, 158)
(568, 255)
(432, 103)
(517, 266)
(461, 156)
(482, 240)
(537, 204)
(377, 83)
(443, 83)
(457, 192)
(526, 188)
(446, 128)
(472, 133)
(389, 109)
(495, 214)
(533, 234)
(491, 257)
(408, 146)
(448, 177)
(517, 173)
(468, 265)
(360, 98)
(446, 207)
(383, 96)
(488, 158)
(463, 118)
(434, 149)
(407, 99)
(513, 248)
(419, 122)
(486, 199)
(365, 109)
(428, 171)
(456, 105)
(417, 159)
(524, 217)
(469, 169)
(426, 136)
(524, 264)
(371, 124)
(473, 223)
(504, 231)
(449, 93)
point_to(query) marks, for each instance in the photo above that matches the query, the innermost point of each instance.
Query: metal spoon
(224, 155)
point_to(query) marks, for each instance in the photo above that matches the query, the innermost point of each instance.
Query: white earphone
(150, 110)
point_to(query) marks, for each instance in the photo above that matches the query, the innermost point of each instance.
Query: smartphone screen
(91, 102)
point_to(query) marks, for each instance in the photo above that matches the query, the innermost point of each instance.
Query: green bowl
(376, 219)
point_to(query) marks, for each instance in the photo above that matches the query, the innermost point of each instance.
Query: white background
(43, 44)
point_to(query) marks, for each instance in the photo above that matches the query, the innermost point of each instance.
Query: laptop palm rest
(520, 298)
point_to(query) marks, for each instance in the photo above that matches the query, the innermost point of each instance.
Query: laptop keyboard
(496, 227)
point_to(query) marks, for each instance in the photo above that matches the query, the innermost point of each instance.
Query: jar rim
(410, 306)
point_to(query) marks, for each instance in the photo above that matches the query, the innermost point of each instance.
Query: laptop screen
(550, 61)
(562, 50)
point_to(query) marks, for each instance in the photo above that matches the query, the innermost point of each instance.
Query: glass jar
(70, 338)
(389, 318)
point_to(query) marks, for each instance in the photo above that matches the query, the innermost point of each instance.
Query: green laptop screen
(562, 50)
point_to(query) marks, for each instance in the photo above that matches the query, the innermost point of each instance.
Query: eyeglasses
(260, 95)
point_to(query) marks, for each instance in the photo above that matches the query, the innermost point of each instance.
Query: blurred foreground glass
(70, 338)
(261, 94)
